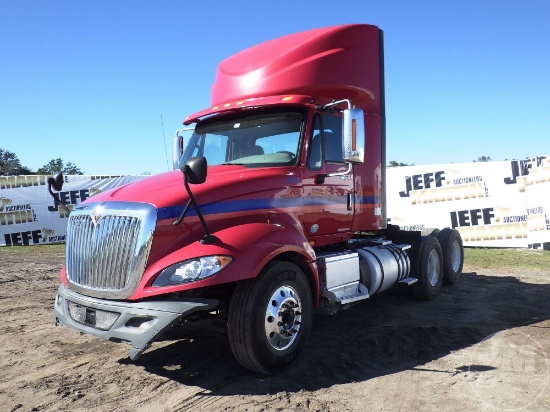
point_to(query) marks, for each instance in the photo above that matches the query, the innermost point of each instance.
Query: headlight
(191, 270)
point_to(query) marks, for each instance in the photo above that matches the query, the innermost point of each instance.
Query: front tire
(270, 318)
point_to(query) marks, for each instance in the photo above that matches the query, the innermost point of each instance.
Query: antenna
(164, 139)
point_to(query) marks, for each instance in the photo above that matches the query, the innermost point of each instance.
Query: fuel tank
(382, 266)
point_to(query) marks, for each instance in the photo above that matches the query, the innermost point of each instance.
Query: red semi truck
(275, 210)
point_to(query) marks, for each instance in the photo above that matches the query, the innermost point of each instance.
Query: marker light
(353, 134)
(191, 270)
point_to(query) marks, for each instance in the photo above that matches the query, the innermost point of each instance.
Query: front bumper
(136, 323)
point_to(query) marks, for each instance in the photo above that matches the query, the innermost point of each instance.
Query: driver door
(328, 200)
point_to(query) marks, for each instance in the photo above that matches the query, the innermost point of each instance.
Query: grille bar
(105, 253)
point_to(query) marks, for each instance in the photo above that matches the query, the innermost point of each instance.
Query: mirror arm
(208, 238)
(333, 104)
(179, 219)
(350, 165)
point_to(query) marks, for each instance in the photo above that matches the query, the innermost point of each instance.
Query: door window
(326, 141)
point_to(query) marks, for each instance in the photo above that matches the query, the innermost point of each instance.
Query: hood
(224, 182)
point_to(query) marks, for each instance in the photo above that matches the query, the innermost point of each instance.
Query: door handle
(350, 201)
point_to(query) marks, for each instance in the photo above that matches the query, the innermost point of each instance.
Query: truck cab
(275, 210)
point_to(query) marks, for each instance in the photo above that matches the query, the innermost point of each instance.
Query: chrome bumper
(136, 323)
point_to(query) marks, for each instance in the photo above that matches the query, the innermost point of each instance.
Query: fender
(251, 245)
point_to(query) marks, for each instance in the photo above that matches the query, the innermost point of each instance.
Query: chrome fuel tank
(382, 266)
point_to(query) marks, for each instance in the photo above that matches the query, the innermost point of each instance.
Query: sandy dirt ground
(484, 344)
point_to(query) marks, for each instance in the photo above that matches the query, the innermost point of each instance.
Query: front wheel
(270, 318)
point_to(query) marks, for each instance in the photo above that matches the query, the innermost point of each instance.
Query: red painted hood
(231, 195)
(224, 182)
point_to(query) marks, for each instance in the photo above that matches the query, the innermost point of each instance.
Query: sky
(104, 84)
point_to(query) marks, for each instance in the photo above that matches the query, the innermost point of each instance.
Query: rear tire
(430, 231)
(453, 255)
(430, 269)
(270, 318)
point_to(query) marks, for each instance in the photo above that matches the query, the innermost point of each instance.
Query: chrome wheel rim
(456, 256)
(283, 317)
(433, 267)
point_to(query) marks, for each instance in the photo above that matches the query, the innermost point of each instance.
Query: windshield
(268, 139)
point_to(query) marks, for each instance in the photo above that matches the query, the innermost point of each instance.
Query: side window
(332, 127)
(326, 142)
(315, 155)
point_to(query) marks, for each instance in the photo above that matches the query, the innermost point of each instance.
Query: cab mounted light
(354, 134)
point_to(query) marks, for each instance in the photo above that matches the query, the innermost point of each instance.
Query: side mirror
(354, 136)
(179, 145)
(195, 169)
(177, 150)
(56, 181)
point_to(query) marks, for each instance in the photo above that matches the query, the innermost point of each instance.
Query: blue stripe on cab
(232, 206)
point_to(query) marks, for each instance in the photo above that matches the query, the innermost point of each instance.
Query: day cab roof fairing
(315, 66)
(327, 64)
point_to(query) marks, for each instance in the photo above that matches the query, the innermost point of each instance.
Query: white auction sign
(29, 215)
(493, 204)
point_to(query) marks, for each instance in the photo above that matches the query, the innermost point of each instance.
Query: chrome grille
(107, 247)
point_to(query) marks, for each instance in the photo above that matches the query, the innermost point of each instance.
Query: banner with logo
(494, 204)
(28, 215)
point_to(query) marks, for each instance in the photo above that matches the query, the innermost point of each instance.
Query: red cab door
(327, 184)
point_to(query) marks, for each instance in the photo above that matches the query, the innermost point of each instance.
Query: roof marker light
(227, 105)
(287, 98)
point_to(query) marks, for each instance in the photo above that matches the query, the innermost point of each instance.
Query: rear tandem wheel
(453, 255)
(429, 270)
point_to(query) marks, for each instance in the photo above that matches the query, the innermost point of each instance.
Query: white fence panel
(495, 204)
(28, 215)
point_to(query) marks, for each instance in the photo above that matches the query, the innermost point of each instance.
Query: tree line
(10, 165)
